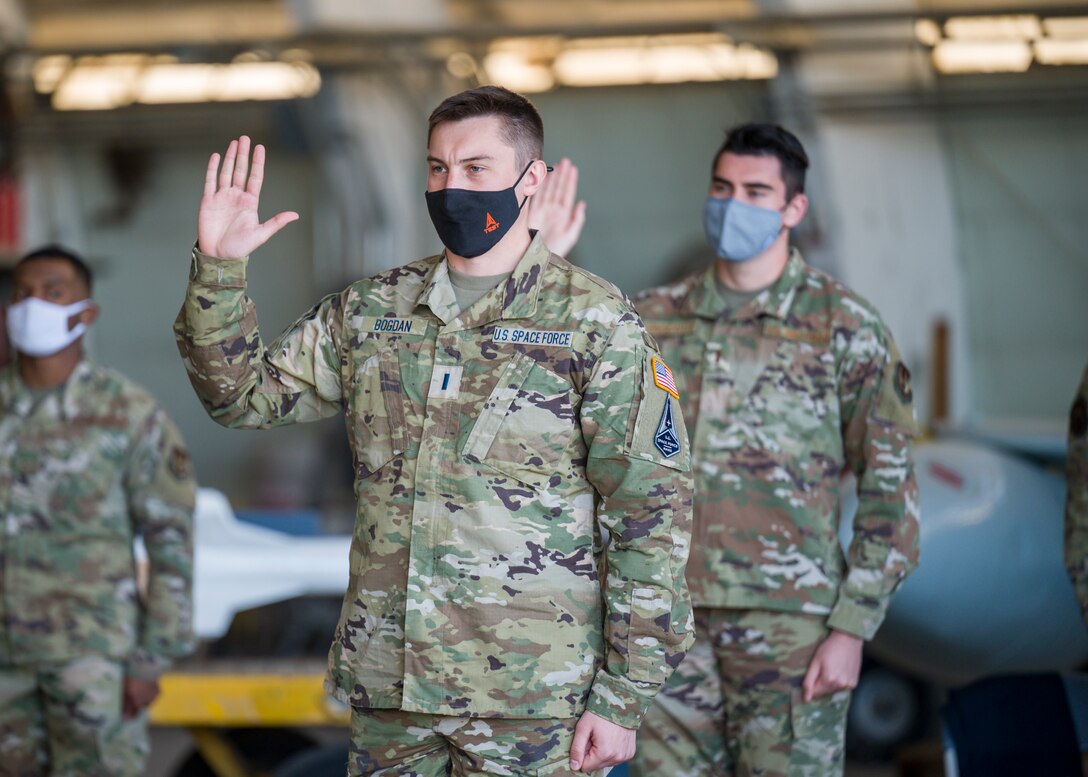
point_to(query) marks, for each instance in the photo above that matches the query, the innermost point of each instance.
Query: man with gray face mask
(87, 461)
(788, 380)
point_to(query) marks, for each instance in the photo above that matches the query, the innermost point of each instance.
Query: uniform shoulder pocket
(895, 404)
(375, 413)
(658, 433)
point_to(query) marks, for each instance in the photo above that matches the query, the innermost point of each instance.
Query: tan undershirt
(732, 299)
(469, 288)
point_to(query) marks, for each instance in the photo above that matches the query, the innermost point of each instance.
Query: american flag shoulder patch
(663, 377)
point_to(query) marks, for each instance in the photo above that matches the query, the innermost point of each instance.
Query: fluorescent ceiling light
(98, 84)
(518, 73)
(48, 72)
(1061, 51)
(538, 64)
(927, 31)
(102, 83)
(1066, 26)
(993, 28)
(461, 64)
(175, 83)
(952, 56)
(668, 64)
(265, 81)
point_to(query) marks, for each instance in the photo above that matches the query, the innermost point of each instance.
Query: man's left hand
(835, 667)
(599, 743)
(136, 695)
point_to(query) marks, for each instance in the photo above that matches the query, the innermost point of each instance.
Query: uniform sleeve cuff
(619, 700)
(210, 270)
(145, 666)
(856, 618)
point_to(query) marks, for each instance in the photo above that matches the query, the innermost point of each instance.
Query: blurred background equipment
(993, 596)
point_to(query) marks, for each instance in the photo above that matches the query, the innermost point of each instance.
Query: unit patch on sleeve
(519, 336)
(178, 463)
(902, 383)
(665, 439)
(663, 377)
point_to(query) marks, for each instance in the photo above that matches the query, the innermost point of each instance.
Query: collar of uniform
(436, 291)
(705, 302)
(18, 399)
(517, 298)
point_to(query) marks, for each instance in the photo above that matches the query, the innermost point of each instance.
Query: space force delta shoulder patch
(665, 438)
(519, 336)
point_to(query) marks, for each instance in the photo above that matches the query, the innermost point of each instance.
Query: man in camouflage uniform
(788, 380)
(1076, 498)
(506, 411)
(87, 462)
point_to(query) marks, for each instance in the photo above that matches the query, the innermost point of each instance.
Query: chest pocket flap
(376, 419)
(527, 427)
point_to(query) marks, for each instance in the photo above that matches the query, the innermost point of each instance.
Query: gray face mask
(738, 232)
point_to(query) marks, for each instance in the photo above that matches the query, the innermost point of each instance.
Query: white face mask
(40, 328)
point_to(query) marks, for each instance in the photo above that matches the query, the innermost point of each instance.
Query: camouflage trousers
(411, 744)
(734, 705)
(65, 720)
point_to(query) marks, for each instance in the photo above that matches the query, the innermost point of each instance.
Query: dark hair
(54, 251)
(522, 126)
(760, 139)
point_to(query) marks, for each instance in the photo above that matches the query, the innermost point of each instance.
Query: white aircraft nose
(238, 566)
(990, 593)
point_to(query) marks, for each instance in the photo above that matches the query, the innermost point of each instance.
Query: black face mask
(471, 223)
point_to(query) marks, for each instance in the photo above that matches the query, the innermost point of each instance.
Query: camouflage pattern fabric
(1076, 499)
(81, 473)
(493, 448)
(64, 720)
(784, 395)
(735, 705)
(412, 744)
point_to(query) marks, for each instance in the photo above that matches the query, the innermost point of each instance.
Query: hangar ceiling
(110, 25)
(887, 51)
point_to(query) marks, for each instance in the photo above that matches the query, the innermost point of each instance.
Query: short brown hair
(522, 128)
(765, 139)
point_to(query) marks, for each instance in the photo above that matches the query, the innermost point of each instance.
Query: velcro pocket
(526, 426)
(376, 413)
(651, 615)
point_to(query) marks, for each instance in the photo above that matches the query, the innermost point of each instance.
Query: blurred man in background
(789, 380)
(88, 461)
(505, 411)
(1076, 498)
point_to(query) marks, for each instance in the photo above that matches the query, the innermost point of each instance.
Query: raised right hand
(227, 225)
(556, 212)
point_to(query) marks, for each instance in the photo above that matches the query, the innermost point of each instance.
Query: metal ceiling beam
(114, 26)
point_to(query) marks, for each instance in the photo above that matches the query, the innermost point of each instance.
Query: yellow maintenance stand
(213, 698)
